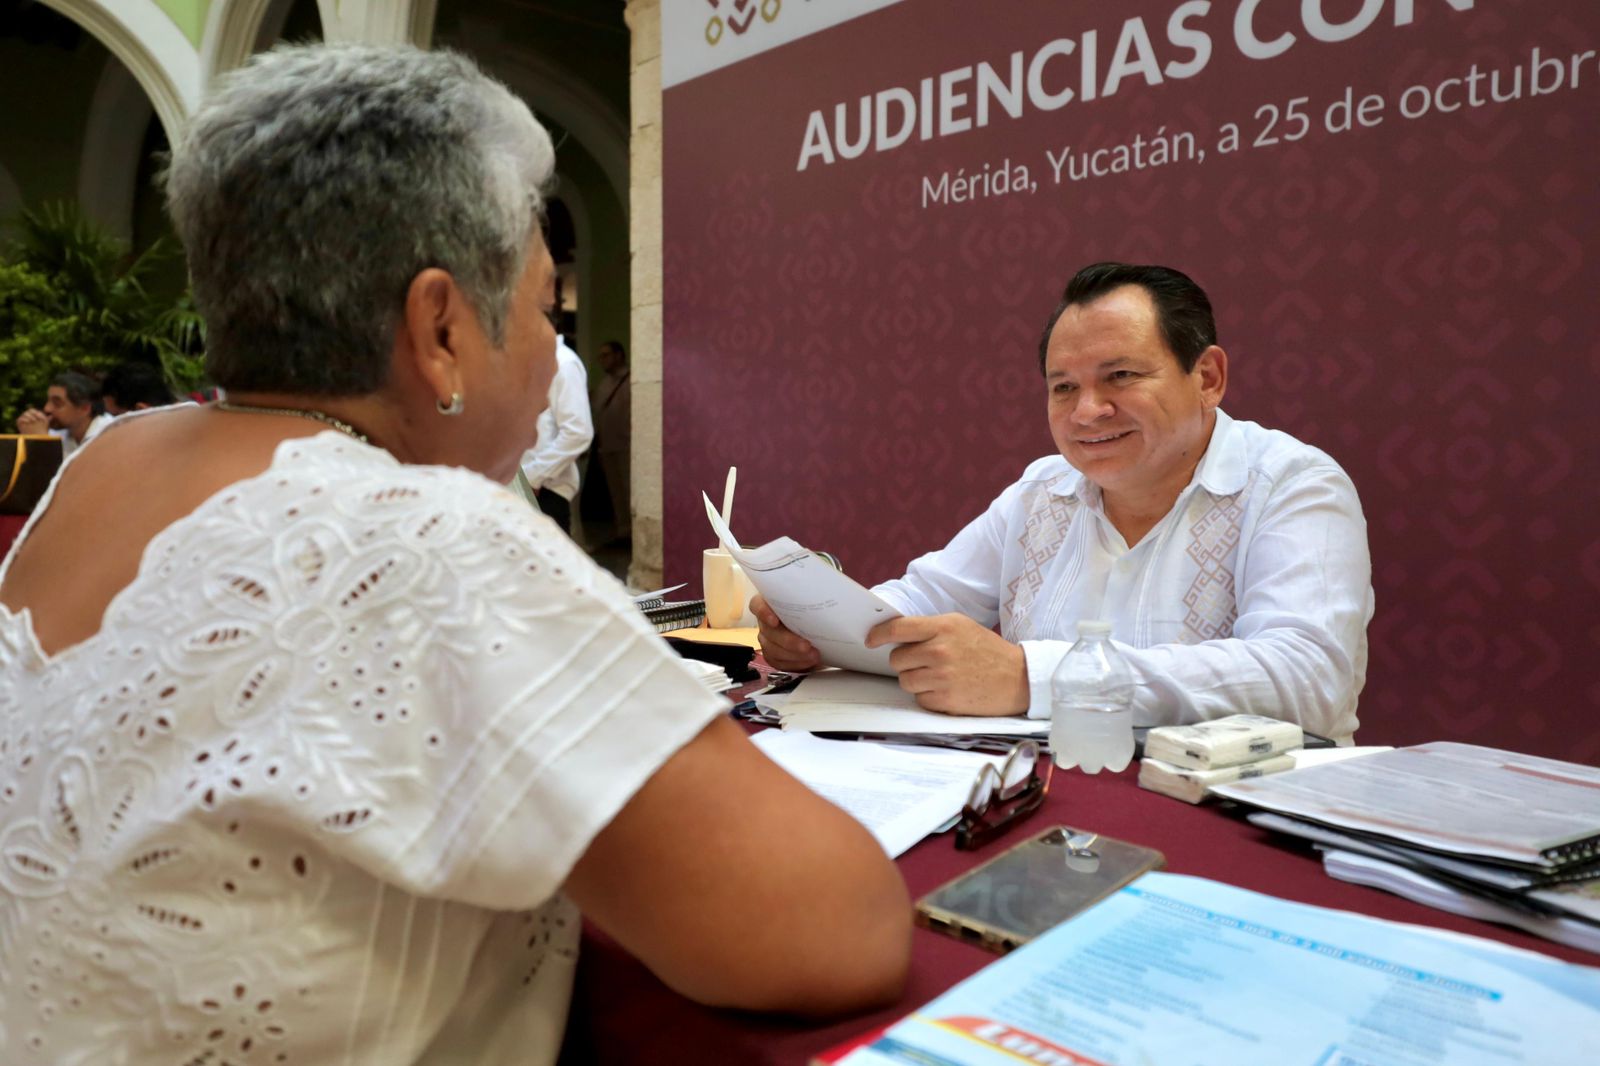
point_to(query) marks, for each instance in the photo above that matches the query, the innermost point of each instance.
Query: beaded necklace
(315, 416)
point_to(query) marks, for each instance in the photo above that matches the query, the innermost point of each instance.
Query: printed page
(899, 795)
(843, 701)
(1579, 897)
(1458, 798)
(1391, 877)
(825, 606)
(1173, 964)
(1508, 878)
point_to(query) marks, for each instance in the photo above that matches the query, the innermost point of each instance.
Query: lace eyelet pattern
(237, 823)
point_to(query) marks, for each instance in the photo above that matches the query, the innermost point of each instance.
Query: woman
(310, 738)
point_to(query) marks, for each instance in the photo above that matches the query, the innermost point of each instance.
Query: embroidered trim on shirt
(1049, 518)
(1213, 543)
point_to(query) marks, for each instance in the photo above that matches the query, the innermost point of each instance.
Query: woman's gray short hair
(315, 182)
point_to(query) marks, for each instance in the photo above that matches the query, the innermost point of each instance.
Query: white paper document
(1418, 887)
(1495, 875)
(843, 701)
(825, 606)
(645, 598)
(1459, 798)
(1304, 757)
(900, 795)
(1578, 897)
(1180, 970)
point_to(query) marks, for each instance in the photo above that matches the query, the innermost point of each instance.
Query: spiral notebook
(1457, 799)
(668, 615)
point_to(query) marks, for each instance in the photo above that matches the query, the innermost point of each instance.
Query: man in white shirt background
(1231, 560)
(550, 467)
(69, 412)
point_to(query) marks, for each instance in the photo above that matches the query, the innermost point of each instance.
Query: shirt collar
(1223, 471)
(1225, 468)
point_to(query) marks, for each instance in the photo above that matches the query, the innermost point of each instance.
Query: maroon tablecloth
(622, 1014)
(10, 526)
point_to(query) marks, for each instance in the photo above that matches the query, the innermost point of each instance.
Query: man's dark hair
(1183, 311)
(617, 345)
(132, 384)
(80, 388)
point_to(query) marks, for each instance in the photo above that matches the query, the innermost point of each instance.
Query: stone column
(644, 197)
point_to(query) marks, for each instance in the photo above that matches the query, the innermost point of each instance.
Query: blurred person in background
(133, 387)
(613, 433)
(71, 411)
(549, 472)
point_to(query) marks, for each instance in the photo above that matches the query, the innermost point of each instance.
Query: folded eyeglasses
(1001, 798)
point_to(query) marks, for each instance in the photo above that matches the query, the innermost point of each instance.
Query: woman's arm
(740, 887)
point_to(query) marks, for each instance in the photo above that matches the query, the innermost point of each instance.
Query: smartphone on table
(1033, 886)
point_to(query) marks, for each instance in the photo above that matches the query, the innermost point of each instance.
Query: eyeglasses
(1001, 798)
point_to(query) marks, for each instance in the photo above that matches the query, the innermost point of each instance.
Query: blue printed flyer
(1179, 970)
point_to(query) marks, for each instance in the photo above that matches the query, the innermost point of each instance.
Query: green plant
(73, 297)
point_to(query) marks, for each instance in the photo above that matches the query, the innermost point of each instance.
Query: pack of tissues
(1191, 786)
(1185, 761)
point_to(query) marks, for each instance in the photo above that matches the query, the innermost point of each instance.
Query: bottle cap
(1094, 629)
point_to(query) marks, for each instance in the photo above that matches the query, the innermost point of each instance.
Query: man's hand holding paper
(811, 600)
(783, 648)
(954, 665)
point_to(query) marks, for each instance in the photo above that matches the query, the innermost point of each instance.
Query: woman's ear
(437, 325)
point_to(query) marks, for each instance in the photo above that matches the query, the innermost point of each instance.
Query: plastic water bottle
(1091, 704)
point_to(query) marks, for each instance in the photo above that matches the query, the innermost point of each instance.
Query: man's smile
(1104, 439)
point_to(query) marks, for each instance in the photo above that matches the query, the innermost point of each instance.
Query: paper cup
(726, 589)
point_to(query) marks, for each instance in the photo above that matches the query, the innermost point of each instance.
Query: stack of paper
(843, 702)
(710, 675)
(1418, 887)
(900, 794)
(1440, 820)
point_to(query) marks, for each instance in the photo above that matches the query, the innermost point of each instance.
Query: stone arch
(571, 195)
(235, 29)
(552, 91)
(152, 48)
(119, 115)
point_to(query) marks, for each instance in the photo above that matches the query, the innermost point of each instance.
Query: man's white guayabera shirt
(1252, 595)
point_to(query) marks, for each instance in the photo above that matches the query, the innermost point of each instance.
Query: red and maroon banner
(1392, 203)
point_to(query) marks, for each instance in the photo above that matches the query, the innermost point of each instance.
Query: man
(613, 432)
(1231, 560)
(551, 466)
(69, 412)
(133, 387)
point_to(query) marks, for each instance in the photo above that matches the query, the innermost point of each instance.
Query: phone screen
(1040, 883)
